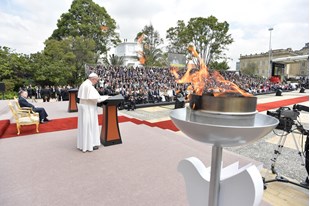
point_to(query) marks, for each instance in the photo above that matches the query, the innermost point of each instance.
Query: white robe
(88, 127)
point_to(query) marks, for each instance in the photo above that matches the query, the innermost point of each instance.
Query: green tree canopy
(6, 55)
(113, 60)
(151, 42)
(66, 59)
(15, 68)
(209, 36)
(250, 69)
(87, 19)
(48, 70)
(219, 65)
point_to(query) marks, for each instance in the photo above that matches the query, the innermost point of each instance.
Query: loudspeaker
(302, 90)
(279, 92)
(179, 103)
(2, 87)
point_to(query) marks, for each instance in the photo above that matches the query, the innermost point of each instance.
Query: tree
(65, 59)
(209, 36)
(113, 60)
(151, 42)
(89, 20)
(250, 69)
(49, 71)
(14, 68)
(176, 36)
(5, 63)
(219, 65)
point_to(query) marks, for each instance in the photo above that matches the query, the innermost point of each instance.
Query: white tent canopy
(291, 59)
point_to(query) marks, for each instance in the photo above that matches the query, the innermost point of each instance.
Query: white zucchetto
(92, 75)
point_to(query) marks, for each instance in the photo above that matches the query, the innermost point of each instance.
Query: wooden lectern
(110, 133)
(73, 100)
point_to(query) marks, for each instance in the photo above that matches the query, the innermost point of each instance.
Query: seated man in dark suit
(22, 100)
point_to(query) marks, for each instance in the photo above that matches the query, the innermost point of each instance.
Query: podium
(73, 100)
(110, 133)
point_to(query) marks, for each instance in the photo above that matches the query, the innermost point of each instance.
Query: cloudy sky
(26, 24)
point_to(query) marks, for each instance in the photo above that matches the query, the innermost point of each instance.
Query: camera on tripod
(286, 117)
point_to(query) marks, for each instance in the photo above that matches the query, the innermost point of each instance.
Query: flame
(141, 55)
(174, 72)
(104, 28)
(192, 49)
(203, 81)
(140, 38)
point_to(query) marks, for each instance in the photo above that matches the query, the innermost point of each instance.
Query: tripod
(277, 152)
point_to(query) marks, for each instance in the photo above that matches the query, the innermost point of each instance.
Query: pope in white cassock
(88, 137)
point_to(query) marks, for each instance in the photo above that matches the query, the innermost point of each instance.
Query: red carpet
(9, 130)
(281, 103)
(4, 124)
(52, 126)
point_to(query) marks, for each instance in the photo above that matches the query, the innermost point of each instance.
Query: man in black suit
(22, 100)
(46, 94)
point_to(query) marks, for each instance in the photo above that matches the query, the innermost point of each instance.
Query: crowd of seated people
(137, 85)
(142, 85)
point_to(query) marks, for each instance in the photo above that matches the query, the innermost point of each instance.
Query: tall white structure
(129, 52)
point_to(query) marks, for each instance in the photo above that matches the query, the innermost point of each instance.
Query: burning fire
(104, 28)
(141, 53)
(204, 82)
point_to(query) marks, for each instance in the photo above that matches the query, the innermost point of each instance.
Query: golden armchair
(24, 117)
(17, 106)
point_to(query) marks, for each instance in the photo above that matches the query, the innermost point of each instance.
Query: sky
(26, 24)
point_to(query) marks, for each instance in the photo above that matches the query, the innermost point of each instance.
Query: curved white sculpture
(238, 186)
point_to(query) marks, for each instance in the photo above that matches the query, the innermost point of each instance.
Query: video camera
(286, 117)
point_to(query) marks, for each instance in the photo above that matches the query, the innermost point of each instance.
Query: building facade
(258, 63)
(130, 53)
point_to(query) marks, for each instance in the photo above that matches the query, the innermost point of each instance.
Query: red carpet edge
(8, 130)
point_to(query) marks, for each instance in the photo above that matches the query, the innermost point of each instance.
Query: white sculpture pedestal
(237, 186)
(224, 130)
